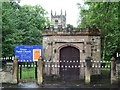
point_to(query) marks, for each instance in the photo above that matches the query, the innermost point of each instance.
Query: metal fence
(7, 58)
(4, 60)
(98, 69)
(95, 64)
(27, 70)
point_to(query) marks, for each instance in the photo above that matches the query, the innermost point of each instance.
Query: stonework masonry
(58, 19)
(6, 74)
(87, 41)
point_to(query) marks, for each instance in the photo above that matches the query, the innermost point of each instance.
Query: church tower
(57, 20)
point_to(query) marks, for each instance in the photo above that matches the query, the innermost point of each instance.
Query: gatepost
(40, 71)
(15, 70)
(113, 71)
(87, 70)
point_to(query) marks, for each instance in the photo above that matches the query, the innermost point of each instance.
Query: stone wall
(118, 71)
(6, 73)
(87, 45)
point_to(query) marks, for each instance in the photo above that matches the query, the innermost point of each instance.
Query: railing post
(113, 71)
(87, 70)
(36, 70)
(40, 71)
(15, 70)
(20, 70)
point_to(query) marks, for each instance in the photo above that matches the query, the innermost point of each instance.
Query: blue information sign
(28, 53)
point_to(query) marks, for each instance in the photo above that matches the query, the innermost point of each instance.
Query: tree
(103, 15)
(31, 22)
(22, 25)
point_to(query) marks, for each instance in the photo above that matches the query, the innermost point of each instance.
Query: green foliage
(103, 15)
(27, 73)
(22, 25)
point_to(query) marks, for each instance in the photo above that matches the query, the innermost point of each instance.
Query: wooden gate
(69, 62)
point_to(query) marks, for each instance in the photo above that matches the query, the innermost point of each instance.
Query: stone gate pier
(9, 73)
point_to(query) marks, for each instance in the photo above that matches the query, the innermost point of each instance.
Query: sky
(70, 6)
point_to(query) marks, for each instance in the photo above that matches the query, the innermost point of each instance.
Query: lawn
(27, 73)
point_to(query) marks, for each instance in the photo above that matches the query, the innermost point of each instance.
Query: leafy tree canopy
(103, 15)
(22, 25)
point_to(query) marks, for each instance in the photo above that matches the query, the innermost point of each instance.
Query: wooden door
(69, 62)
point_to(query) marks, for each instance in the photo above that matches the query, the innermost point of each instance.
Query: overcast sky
(56, 5)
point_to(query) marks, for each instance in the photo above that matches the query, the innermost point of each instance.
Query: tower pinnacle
(57, 20)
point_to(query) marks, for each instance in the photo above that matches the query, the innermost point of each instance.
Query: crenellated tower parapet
(57, 20)
(70, 30)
